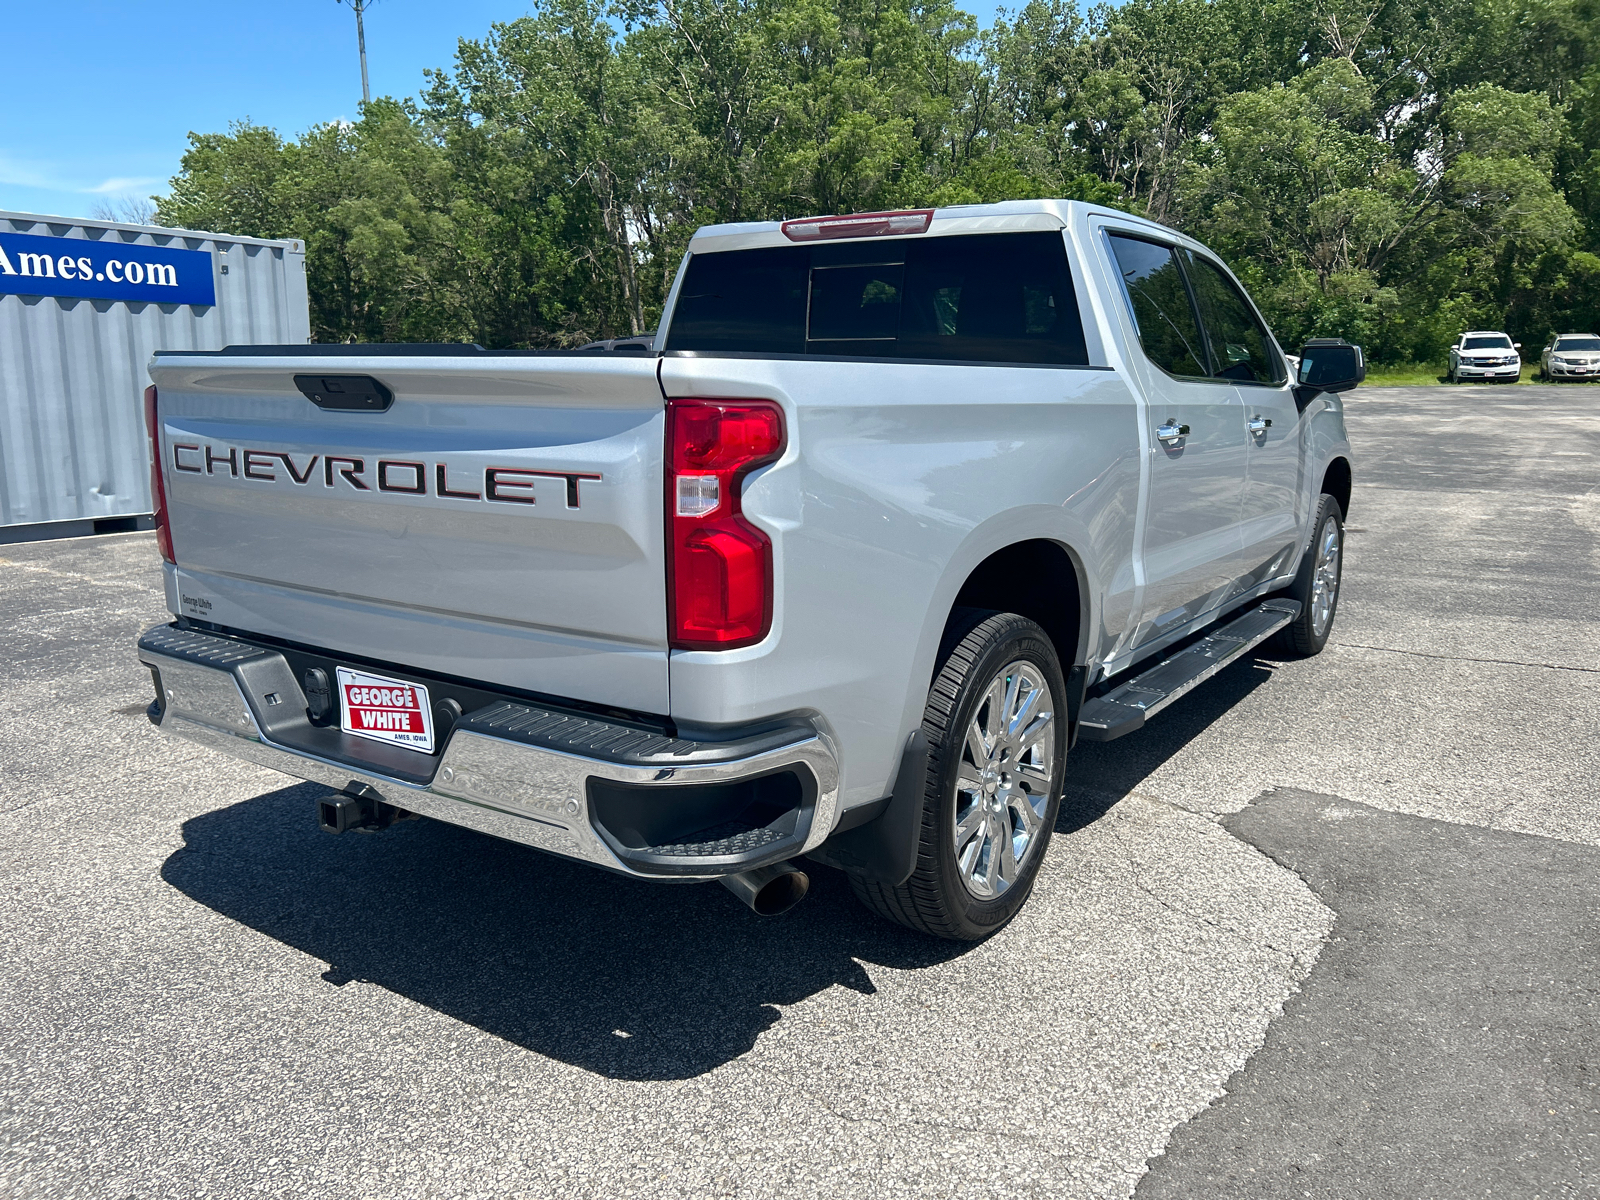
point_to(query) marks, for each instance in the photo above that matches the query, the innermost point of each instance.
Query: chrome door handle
(1259, 424)
(1171, 432)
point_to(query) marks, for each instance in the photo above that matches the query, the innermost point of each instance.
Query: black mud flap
(884, 849)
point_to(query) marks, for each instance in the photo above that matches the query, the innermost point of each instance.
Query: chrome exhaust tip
(769, 891)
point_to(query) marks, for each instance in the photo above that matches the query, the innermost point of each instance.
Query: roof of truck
(1005, 216)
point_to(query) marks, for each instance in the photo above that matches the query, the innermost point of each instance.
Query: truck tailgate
(501, 519)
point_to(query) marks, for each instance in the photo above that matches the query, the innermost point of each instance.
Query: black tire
(1450, 375)
(936, 900)
(1305, 635)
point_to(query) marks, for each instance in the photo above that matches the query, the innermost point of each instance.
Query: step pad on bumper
(621, 744)
(1124, 709)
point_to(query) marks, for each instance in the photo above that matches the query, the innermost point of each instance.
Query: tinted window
(855, 304)
(1160, 304)
(1577, 343)
(1240, 347)
(1004, 297)
(999, 297)
(744, 300)
(1486, 343)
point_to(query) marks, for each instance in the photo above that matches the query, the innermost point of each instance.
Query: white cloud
(24, 174)
(118, 184)
(46, 177)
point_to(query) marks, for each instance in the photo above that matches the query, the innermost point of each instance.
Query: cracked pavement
(208, 997)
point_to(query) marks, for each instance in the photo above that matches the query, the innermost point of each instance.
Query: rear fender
(1042, 523)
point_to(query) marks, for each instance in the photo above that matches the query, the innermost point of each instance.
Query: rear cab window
(994, 298)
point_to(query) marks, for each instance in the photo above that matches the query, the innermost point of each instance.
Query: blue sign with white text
(110, 269)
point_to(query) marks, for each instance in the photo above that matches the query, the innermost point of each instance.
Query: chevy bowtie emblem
(404, 476)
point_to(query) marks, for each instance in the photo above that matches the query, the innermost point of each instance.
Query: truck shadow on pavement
(1099, 774)
(631, 980)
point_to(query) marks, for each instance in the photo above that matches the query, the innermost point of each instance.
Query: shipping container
(83, 305)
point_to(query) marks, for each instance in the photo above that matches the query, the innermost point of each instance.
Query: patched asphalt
(205, 996)
(1445, 1044)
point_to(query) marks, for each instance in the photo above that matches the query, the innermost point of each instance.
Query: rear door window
(999, 298)
(1241, 349)
(1159, 300)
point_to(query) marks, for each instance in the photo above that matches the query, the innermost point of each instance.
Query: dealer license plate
(385, 710)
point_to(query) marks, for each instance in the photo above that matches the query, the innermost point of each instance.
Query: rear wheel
(1316, 584)
(997, 732)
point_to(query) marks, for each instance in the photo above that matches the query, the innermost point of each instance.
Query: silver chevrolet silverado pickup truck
(893, 510)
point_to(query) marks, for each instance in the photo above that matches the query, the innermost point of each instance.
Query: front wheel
(1316, 584)
(996, 724)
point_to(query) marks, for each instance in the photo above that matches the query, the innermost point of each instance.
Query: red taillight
(719, 568)
(158, 491)
(883, 224)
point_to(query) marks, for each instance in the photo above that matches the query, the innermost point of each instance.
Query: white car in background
(1571, 356)
(1481, 355)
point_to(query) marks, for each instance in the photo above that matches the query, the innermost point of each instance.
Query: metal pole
(361, 7)
(361, 42)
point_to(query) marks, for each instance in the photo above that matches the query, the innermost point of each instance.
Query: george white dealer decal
(385, 710)
(406, 477)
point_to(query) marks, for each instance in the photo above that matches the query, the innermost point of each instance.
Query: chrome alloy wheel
(1325, 581)
(1003, 781)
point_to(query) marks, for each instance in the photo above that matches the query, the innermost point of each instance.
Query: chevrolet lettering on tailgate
(407, 477)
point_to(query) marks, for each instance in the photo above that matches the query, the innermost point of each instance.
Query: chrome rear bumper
(511, 770)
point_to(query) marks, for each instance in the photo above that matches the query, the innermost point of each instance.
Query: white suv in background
(1571, 355)
(1480, 355)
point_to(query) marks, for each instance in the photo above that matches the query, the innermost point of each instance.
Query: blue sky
(103, 95)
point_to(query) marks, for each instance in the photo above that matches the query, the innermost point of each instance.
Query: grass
(1428, 374)
(1404, 374)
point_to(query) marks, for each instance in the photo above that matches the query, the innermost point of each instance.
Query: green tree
(1374, 168)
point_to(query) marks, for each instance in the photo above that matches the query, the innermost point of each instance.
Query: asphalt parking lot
(1326, 928)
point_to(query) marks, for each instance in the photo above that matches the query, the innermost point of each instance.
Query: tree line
(1392, 171)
